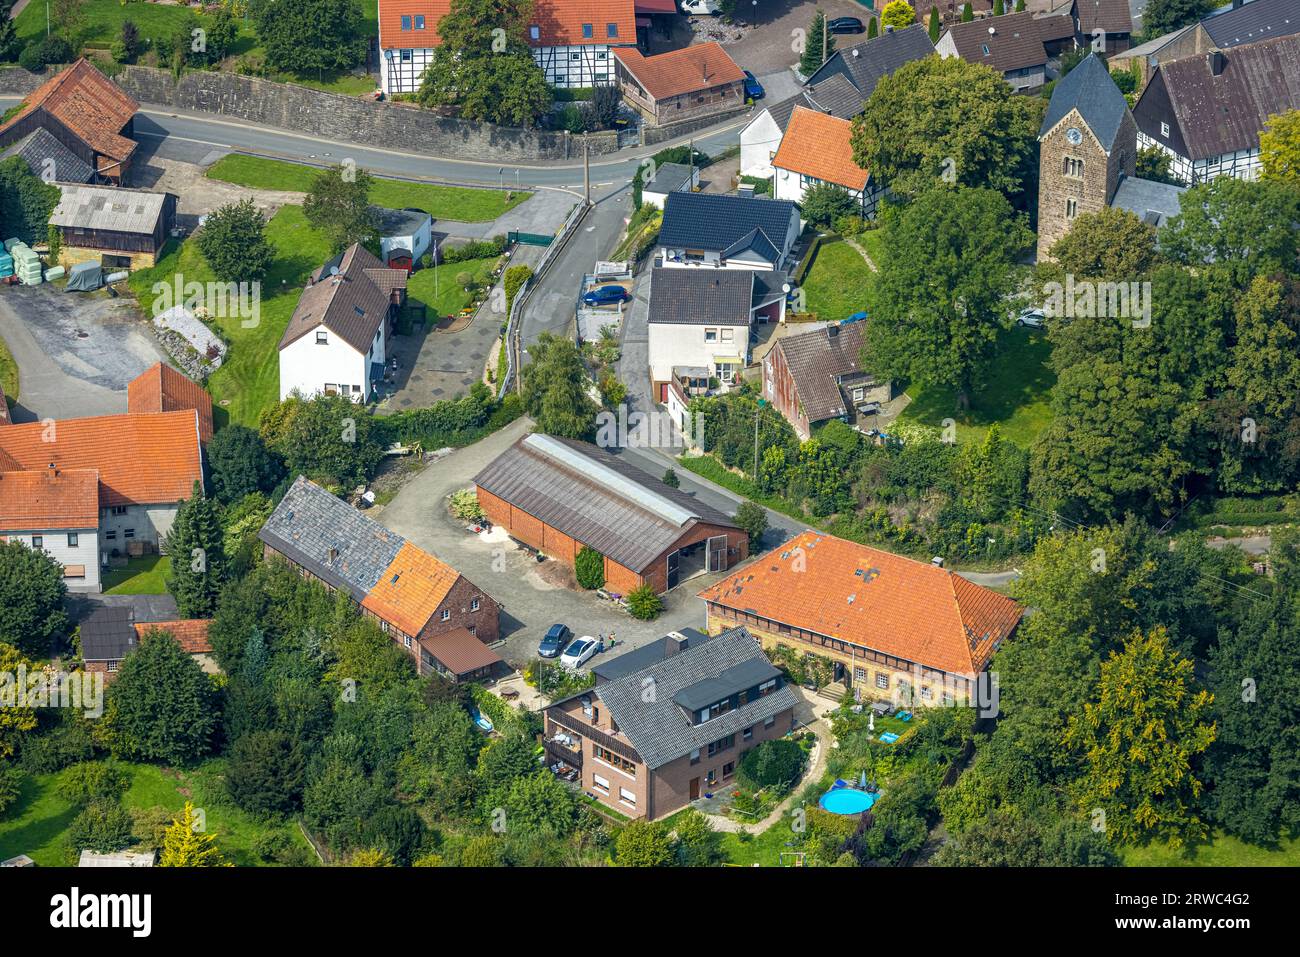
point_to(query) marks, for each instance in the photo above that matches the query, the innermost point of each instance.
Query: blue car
(753, 89)
(554, 641)
(606, 296)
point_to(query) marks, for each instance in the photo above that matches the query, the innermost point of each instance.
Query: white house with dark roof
(713, 230)
(761, 137)
(336, 342)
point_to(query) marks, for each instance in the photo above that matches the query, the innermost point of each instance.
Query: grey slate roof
(750, 673)
(1257, 20)
(816, 359)
(330, 538)
(863, 64)
(595, 497)
(1224, 113)
(670, 177)
(1089, 89)
(659, 730)
(701, 296)
(107, 634)
(716, 221)
(638, 659)
(755, 241)
(1151, 202)
(40, 145)
(832, 94)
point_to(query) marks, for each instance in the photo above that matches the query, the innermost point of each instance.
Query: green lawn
(35, 824)
(146, 575)
(1221, 851)
(838, 283)
(437, 287)
(8, 373)
(249, 380)
(441, 202)
(1016, 396)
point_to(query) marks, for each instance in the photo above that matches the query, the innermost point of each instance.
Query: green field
(441, 202)
(249, 380)
(1221, 851)
(146, 575)
(8, 373)
(1016, 396)
(839, 282)
(35, 824)
(437, 287)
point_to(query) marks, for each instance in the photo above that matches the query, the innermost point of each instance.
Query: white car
(579, 650)
(700, 8)
(1032, 318)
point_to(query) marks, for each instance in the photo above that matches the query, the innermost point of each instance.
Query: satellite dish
(334, 270)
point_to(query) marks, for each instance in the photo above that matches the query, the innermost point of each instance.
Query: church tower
(1086, 146)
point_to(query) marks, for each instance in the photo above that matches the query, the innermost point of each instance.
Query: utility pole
(690, 154)
(757, 412)
(586, 172)
(823, 39)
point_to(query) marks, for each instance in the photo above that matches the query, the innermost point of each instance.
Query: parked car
(845, 25)
(1030, 318)
(700, 8)
(753, 89)
(579, 650)
(606, 296)
(554, 642)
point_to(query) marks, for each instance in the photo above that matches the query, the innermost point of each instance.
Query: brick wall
(778, 388)
(484, 623)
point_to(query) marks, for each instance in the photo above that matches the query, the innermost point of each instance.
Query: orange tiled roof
(162, 389)
(141, 459)
(45, 499)
(90, 105)
(559, 22)
(411, 588)
(876, 599)
(700, 66)
(190, 633)
(816, 144)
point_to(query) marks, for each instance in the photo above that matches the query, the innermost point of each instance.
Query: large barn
(557, 495)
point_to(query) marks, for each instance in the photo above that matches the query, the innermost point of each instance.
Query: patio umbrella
(863, 780)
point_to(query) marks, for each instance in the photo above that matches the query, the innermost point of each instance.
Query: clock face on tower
(1074, 136)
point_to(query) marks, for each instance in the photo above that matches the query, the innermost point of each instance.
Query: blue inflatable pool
(847, 801)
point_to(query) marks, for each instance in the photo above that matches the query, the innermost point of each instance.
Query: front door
(673, 560)
(695, 789)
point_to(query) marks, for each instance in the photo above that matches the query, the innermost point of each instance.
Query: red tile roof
(162, 389)
(90, 105)
(191, 633)
(559, 22)
(875, 599)
(700, 66)
(46, 499)
(141, 459)
(411, 588)
(460, 652)
(818, 145)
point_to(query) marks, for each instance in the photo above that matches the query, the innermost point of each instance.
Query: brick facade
(1067, 189)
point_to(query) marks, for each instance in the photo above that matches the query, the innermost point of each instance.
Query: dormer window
(419, 22)
(534, 33)
(406, 23)
(588, 31)
(322, 337)
(611, 29)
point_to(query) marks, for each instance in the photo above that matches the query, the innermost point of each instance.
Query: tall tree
(1109, 245)
(1249, 226)
(1166, 16)
(241, 464)
(161, 707)
(31, 599)
(815, 53)
(484, 66)
(555, 383)
(310, 37)
(1141, 737)
(940, 297)
(338, 205)
(945, 120)
(195, 544)
(1279, 149)
(16, 720)
(186, 846)
(935, 26)
(233, 242)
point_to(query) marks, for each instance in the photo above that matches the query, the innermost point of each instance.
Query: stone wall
(332, 116)
(654, 135)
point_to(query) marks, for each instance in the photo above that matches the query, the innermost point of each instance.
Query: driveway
(530, 599)
(76, 352)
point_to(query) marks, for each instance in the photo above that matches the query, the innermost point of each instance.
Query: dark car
(753, 89)
(846, 25)
(606, 296)
(554, 641)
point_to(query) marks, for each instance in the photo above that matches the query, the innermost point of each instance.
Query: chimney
(889, 28)
(675, 643)
(1217, 62)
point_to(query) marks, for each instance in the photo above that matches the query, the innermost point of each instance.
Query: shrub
(753, 519)
(11, 785)
(671, 480)
(464, 505)
(643, 603)
(772, 764)
(92, 781)
(30, 59)
(589, 568)
(103, 826)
